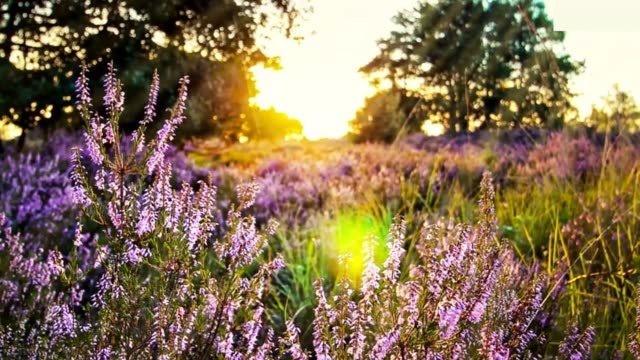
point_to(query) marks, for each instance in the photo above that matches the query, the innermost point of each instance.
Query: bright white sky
(320, 84)
(606, 35)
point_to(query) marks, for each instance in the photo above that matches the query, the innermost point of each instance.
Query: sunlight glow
(8, 130)
(349, 232)
(319, 83)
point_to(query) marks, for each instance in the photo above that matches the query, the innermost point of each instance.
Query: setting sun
(313, 98)
(319, 83)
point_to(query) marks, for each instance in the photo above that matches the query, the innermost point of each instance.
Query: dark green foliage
(388, 115)
(43, 42)
(478, 64)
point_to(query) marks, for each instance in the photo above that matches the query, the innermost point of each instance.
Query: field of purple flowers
(522, 245)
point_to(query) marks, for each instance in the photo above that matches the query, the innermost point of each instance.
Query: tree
(620, 113)
(387, 115)
(272, 125)
(43, 42)
(478, 63)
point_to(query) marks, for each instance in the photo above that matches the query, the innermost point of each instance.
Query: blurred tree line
(43, 43)
(619, 114)
(468, 65)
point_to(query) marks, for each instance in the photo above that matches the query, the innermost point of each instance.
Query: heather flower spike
(83, 98)
(167, 132)
(150, 108)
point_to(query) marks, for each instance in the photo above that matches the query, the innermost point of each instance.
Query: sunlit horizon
(319, 83)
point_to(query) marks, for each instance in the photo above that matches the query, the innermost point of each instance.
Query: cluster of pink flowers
(465, 296)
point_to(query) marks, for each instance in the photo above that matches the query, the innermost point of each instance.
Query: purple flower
(325, 316)
(113, 94)
(251, 328)
(266, 347)
(148, 213)
(115, 215)
(104, 353)
(577, 345)
(384, 344)
(150, 108)
(78, 193)
(449, 314)
(61, 321)
(134, 254)
(83, 99)
(247, 194)
(166, 133)
(396, 251)
(371, 273)
(493, 343)
(292, 340)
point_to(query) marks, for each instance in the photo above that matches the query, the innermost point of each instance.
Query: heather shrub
(124, 249)
(465, 296)
(160, 286)
(286, 192)
(34, 196)
(562, 157)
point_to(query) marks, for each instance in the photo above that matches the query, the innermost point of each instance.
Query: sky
(319, 83)
(606, 36)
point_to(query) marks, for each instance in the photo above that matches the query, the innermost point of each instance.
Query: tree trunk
(22, 140)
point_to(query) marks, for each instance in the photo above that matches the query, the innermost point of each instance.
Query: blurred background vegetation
(452, 66)
(43, 43)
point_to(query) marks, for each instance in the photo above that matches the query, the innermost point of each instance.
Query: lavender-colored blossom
(148, 213)
(577, 344)
(251, 328)
(83, 98)
(115, 215)
(8, 291)
(134, 254)
(396, 251)
(247, 194)
(104, 354)
(78, 192)
(449, 315)
(292, 340)
(384, 344)
(61, 321)
(325, 316)
(262, 353)
(113, 94)
(150, 108)
(358, 321)
(493, 343)
(166, 133)
(91, 142)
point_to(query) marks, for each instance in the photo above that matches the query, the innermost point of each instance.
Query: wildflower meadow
(319, 180)
(119, 246)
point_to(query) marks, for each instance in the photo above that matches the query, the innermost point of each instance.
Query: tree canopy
(386, 116)
(43, 42)
(619, 114)
(478, 63)
(271, 125)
